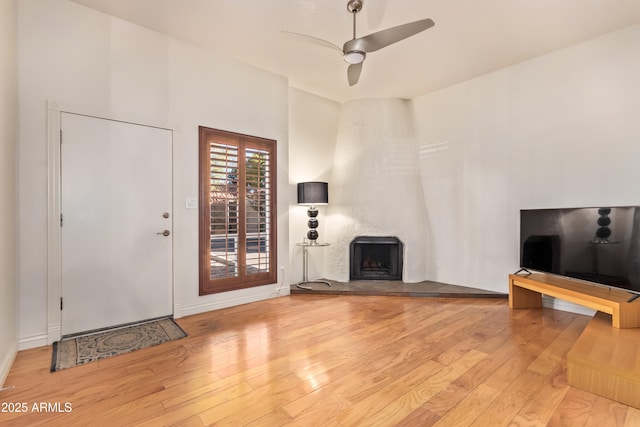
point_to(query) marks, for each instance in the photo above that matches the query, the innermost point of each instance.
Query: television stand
(527, 291)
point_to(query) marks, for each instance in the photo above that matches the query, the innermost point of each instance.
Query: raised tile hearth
(397, 288)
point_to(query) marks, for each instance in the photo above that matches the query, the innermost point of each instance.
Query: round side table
(305, 265)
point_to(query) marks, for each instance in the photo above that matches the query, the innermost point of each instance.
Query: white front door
(116, 204)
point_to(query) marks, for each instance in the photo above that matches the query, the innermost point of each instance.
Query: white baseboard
(267, 293)
(33, 341)
(7, 362)
(558, 304)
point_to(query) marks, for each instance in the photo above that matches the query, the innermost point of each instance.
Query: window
(237, 178)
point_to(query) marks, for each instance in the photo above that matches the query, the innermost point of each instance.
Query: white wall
(313, 130)
(561, 130)
(91, 62)
(8, 142)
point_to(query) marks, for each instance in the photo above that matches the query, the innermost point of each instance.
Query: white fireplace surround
(375, 187)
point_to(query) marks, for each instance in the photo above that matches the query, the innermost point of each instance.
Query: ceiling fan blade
(313, 40)
(353, 73)
(384, 38)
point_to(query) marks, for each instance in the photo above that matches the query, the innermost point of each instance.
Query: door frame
(54, 196)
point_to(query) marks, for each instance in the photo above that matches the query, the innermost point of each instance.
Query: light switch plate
(192, 203)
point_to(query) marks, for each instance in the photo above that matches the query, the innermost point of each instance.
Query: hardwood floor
(326, 360)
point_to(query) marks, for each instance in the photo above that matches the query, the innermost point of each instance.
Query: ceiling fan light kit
(354, 57)
(354, 51)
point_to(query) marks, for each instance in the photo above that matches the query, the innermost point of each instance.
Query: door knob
(165, 233)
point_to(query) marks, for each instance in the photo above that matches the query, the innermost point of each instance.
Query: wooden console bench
(606, 361)
(603, 360)
(526, 292)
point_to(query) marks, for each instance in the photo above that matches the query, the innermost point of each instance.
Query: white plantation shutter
(258, 210)
(223, 204)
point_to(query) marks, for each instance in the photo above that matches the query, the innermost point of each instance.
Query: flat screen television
(599, 245)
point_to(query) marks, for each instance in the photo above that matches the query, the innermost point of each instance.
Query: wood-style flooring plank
(326, 360)
(574, 409)
(544, 402)
(400, 407)
(606, 412)
(633, 418)
(467, 410)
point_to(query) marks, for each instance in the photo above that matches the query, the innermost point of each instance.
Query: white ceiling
(470, 38)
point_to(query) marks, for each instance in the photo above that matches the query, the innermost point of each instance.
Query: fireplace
(375, 258)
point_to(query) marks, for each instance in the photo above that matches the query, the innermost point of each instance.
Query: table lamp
(313, 194)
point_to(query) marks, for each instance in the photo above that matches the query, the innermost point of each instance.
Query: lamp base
(312, 234)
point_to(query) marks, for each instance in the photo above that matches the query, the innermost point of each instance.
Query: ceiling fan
(355, 50)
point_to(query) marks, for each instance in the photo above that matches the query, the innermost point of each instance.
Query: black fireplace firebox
(375, 258)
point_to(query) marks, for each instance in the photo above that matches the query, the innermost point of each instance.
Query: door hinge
(60, 303)
(61, 220)
(60, 136)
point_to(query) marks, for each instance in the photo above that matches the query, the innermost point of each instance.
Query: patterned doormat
(78, 350)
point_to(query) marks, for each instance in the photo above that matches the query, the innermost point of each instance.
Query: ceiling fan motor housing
(355, 50)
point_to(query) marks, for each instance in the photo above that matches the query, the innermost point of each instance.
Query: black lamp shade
(313, 193)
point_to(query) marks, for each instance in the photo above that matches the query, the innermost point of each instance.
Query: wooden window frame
(243, 280)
